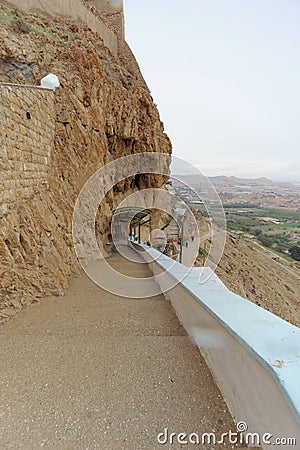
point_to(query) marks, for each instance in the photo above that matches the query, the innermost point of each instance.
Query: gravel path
(91, 370)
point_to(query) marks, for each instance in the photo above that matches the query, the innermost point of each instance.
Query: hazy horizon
(222, 174)
(225, 76)
(229, 173)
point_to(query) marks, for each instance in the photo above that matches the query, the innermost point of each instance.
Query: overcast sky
(226, 77)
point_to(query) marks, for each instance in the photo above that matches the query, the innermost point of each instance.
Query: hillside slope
(103, 111)
(257, 274)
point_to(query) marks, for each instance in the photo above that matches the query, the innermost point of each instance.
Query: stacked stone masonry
(28, 124)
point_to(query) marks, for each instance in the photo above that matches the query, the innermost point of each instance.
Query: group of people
(169, 249)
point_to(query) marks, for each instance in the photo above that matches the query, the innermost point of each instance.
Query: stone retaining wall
(28, 126)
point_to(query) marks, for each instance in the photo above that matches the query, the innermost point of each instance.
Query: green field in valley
(277, 229)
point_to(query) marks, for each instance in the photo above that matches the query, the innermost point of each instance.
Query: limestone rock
(103, 110)
(5, 313)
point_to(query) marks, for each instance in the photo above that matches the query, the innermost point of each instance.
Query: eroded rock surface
(103, 111)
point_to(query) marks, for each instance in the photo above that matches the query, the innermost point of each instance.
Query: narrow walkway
(94, 371)
(189, 253)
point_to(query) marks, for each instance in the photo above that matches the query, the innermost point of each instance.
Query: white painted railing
(253, 355)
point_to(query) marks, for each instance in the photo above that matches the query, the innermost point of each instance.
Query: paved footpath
(91, 370)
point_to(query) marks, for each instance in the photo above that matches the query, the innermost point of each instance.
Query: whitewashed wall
(253, 355)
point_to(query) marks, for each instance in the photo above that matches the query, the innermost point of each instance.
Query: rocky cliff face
(103, 111)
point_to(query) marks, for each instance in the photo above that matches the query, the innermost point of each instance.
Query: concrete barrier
(253, 355)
